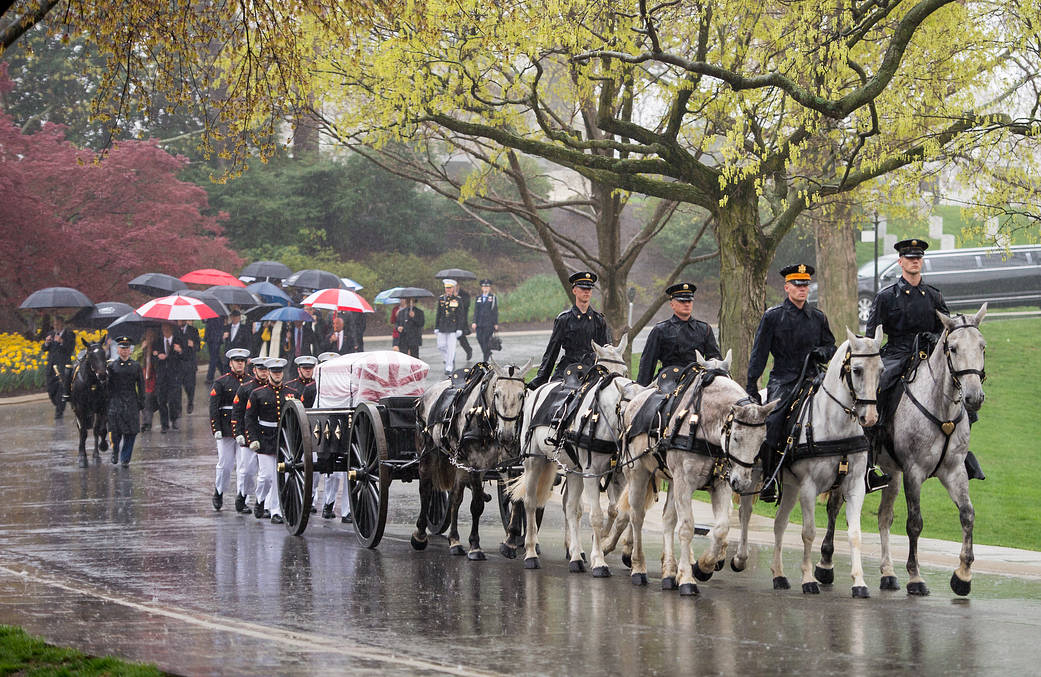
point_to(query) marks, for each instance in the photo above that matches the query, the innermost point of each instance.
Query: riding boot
(874, 478)
(972, 467)
(769, 493)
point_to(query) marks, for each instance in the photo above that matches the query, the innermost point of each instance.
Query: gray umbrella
(264, 269)
(131, 325)
(314, 279)
(413, 293)
(53, 298)
(157, 284)
(209, 299)
(105, 313)
(233, 296)
(455, 274)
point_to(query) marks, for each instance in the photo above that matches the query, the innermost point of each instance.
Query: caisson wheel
(437, 513)
(295, 467)
(368, 479)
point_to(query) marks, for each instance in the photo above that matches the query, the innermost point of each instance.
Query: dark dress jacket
(222, 402)
(673, 342)
(126, 396)
(238, 405)
(263, 412)
(451, 315)
(306, 390)
(905, 310)
(243, 338)
(411, 334)
(169, 370)
(788, 333)
(308, 343)
(573, 332)
(60, 353)
(486, 311)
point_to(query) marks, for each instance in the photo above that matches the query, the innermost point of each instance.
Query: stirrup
(972, 467)
(876, 480)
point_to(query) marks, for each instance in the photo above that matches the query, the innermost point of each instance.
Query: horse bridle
(955, 373)
(847, 378)
(728, 426)
(495, 411)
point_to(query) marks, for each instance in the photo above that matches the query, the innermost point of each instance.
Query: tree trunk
(744, 258)
(305, 136)
(835, 236)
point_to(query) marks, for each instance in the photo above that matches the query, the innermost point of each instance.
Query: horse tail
(652, 493)
(444, 474)
(517, 486)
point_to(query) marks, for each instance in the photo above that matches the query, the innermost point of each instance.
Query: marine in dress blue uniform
(246, 458)
(263, 413)
(573, 331)
(222, 400)
(674, 341)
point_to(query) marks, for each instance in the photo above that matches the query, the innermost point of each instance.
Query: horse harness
(947, 428)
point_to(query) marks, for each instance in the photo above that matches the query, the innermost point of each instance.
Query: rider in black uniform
(573, 330)
(673, 341)
(905, 309)
(790, 331)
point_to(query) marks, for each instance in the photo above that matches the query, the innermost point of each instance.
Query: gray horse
(481, 436)
(830, 455)
(582, 472)
(930, 433)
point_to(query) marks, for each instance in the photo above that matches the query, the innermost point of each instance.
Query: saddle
(671, 436)
(560, 396)
(450, 402)
(563, 407)
(669, 388)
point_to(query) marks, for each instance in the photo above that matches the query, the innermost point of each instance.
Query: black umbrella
(413, 293)
(157, 284)
(455, 274)
(131, 325)
(209, 299)
(314, 279)
(263, 269)
(54, 298)
(233, 296)
(258, 311)
(105, 313)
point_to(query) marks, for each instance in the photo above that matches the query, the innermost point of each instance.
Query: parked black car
(967, 277)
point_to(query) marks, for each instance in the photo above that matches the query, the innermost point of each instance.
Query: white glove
(218, 435)
(241, 440)
(458, 333)
(254, 445)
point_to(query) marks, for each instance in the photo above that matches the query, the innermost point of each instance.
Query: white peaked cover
(351, 379)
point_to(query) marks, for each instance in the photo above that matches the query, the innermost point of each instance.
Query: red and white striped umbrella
(176, 308)
(337, 299)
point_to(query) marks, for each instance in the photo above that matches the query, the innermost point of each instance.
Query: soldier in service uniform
(59, 345)
(574, 330)
(673, 341)
(486, 318)
(304, 385)
(245, 458)
(222, 398)
(790, 332)
(263, 412)
(905, 309)
(448, 324)
(126, 399)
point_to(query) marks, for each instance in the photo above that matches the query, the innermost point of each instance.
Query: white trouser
(446, 344)
(267, 486)
(246, 471)
(226, 448)
(332, 486)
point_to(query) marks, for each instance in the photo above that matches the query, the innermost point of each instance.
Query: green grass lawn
(1006, 442)
(22, 654)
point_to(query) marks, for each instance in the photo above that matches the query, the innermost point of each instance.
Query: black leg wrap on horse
(960, 587)
(825, 576)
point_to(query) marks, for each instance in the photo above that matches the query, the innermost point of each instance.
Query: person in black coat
(354, 324)
(59, 344)
(126, 399)
(573, 331)
(486, 318)
(214, 337)
(674, 341)
(339, 340)
(237, 334)
(191, 361)
(464, 299)
(410, 321)
(168, 357)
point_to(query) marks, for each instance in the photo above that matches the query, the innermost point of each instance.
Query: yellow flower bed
(23, 361)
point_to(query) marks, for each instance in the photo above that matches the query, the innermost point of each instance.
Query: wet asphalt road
(134, 562)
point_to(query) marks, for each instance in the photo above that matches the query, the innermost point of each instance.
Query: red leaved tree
(67, 219)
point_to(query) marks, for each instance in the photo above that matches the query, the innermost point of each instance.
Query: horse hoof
(861, 592)
(889, 583)
(83, 461)
(576, 566)
(960, 587)
(507, 552)
(689, 590)
(531, 563)
(457, 550)
(811, 588)
(720, 563)
(825, 576)
(627, 560)
(917, 589)
(781, 583)
(699, 574)
(668, 583)
(418, 544)
(735, 566)
(476, 556)
(638, 579)
(601, 572)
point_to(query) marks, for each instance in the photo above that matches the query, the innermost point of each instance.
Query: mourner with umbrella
(410, 320)
(60, 342)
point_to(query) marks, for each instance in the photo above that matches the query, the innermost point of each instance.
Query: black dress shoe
(258, 509)
(327, 512)
(876, 479)
(173, 424)
(191, 407)
(164, 429)
(277, 519)
(146, 427)
(972, 467)
(218, 500)
(240, 503)
(115, 457)
(126, 464)
(267, 514)
(347, 519)
(313, 509)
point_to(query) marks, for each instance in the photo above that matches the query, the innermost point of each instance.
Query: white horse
(586, 454)
(730, 430)
(481, 435)
(930, 429)
(829, 453)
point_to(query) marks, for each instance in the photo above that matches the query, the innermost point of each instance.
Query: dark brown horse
(90, 398)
